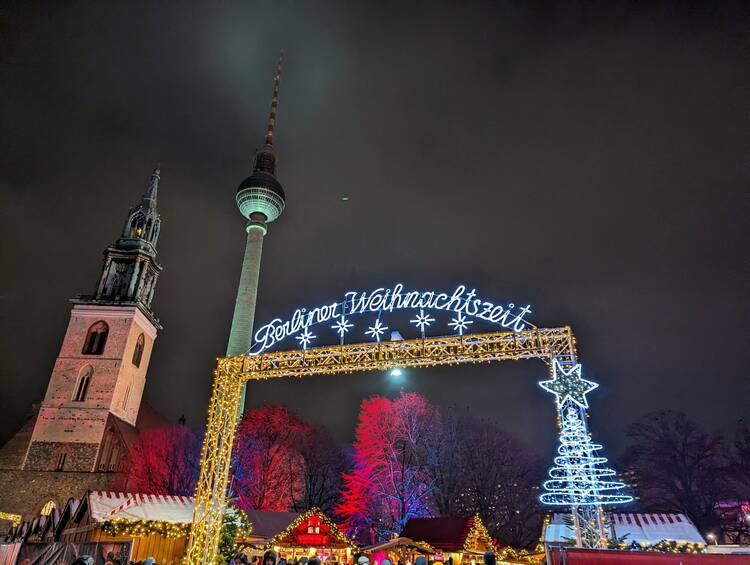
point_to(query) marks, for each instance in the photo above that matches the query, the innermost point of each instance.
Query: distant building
(89, 419)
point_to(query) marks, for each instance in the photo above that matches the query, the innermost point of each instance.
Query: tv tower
(261, 200)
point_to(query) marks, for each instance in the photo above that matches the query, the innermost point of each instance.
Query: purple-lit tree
(392, 480)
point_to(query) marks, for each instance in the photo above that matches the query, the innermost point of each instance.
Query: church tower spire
(130, 269)
(261, 199)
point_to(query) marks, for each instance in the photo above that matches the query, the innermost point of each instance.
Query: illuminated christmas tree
(579, 477)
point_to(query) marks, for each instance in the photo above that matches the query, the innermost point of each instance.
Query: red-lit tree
(165, 461)
(393, 454)
(268, 467)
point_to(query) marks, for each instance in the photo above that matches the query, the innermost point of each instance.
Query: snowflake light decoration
(342, 326)
(568, 385)
(422, 321)
(460, 323)
(376, 330)
(305, 338)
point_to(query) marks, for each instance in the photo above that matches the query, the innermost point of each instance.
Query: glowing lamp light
(311, 551)
(276, 548)
(396, 372)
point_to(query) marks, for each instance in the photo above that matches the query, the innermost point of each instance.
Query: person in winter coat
(489, 558)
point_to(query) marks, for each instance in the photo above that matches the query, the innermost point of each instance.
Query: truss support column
(216, 457)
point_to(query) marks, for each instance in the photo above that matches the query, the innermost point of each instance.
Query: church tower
(100, 372)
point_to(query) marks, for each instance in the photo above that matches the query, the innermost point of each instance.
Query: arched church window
(136, 225)
(138, 352)
(48, 507)
(96, 338)
(82, 386)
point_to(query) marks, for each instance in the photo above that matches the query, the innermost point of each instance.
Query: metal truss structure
(232, 372)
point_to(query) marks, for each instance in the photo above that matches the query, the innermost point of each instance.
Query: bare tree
(498, 480)
(392, 478)
(677, 467)
(165, 461)
(323, 466)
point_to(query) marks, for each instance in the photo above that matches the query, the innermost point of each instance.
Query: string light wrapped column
(216, 458)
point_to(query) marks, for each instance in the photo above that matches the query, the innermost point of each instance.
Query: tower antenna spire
(274, 101)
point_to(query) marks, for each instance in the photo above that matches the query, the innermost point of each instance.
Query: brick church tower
(91, 413)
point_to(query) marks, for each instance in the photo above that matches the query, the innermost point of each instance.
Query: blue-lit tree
(580, 478)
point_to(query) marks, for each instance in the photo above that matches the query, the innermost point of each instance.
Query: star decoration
(460, 323)
(377, 330)
(305, 338)
(422, 320)
(342, 326)
(568, 385)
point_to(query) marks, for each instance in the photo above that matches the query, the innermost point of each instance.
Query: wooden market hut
(463, 539)
(401, 549)
(294, 536)
(157, 525)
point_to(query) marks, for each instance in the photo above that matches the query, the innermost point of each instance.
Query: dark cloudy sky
(587, 158)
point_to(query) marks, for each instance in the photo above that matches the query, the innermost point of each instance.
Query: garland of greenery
(663, 546)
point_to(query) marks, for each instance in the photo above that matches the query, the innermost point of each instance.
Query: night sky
(587, 158)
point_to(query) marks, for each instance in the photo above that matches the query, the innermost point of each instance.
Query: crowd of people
(270, 557)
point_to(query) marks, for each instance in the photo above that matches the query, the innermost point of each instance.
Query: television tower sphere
(261, 193)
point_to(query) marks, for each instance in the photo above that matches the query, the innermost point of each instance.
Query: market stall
(464, 540)
(144, 524)
(399, 550)
(294, 536)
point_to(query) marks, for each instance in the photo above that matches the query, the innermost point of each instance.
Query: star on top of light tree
(568, 384)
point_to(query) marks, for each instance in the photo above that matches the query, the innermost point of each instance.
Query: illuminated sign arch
(462, 303)
(579, 478)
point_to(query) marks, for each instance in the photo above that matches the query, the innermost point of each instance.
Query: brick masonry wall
(116, 386)
(25, 492)
(43, 456)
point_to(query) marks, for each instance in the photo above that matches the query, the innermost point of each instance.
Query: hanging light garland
(478, 532)
(663, 546)
(15, 519)
(142, 528)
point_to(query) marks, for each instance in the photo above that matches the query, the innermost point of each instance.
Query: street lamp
(712, 537)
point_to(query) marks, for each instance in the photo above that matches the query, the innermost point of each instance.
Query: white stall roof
(642, 528)
(135, 507)
(652, 528)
